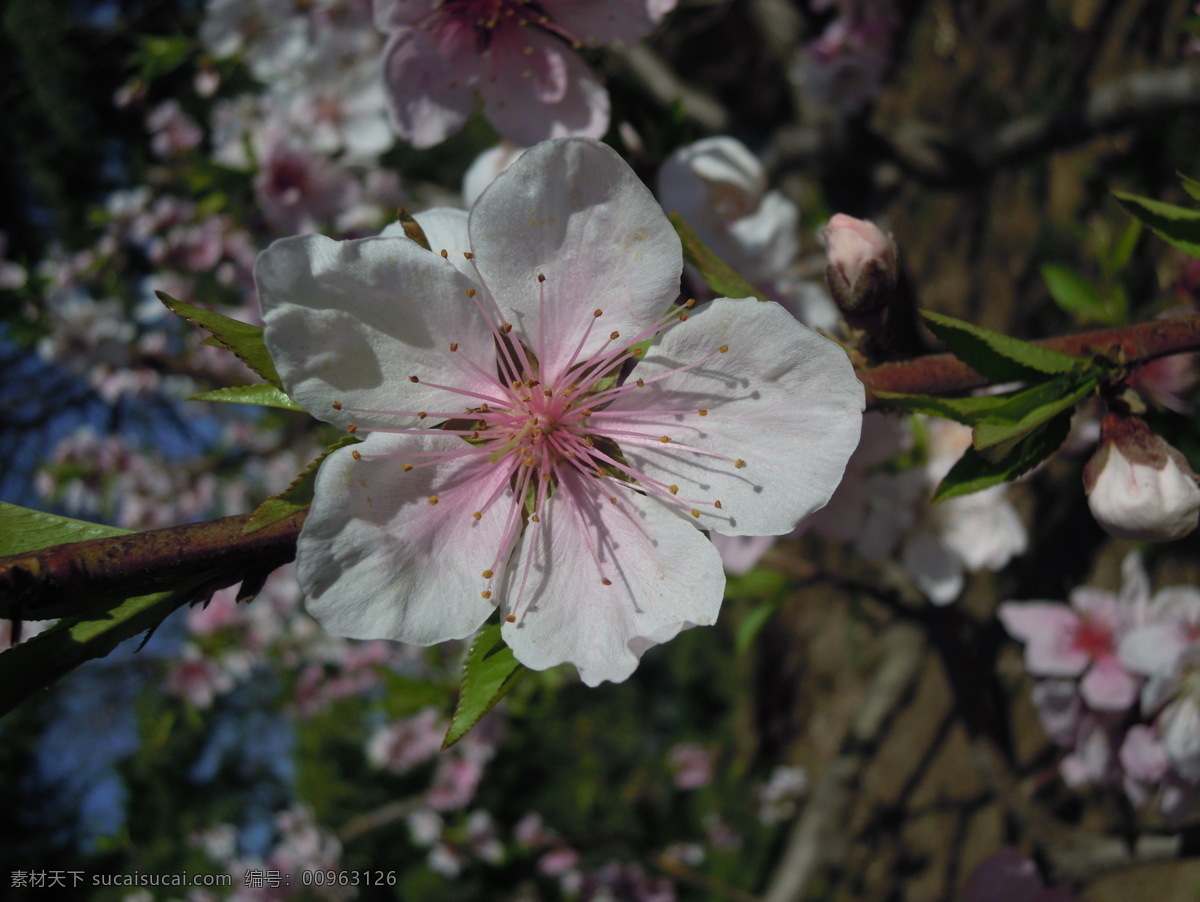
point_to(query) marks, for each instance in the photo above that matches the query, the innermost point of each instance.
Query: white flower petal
(573, 211)
(783, 399)
(430, 83)
(934, 567)
(665, 578)
(377, 560)
(446, 230)
(351, 321)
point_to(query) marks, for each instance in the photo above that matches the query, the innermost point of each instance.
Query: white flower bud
(861, 268)
(1138, 486)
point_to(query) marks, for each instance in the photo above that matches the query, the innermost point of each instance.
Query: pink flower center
(454, 20)
(537, 431)
(1094, 638)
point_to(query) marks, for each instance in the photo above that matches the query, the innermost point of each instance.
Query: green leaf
(965, 410)
(999, 357)
(752, 624)
(1074, 294)
(245, 340)
(35, 664)
(263, 395)
(296, 496)
(158, 55)
(488, 673)
(22, 529)
(720, 276)
(1030, 408)
(1190, 185)
(1179, 226)
(973, 472)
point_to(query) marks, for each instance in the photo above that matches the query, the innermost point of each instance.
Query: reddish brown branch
(48, 583)
(36, 585)
(942, 374)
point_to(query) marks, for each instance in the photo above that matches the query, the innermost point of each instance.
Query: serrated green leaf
(1179, 226)
(973, 472)
(23, 529)
(720, 276)
(1024, 411)
(243, 339)
(999, 357)
(964, 410)
(489, 672)
(1074, 294)
(1190, 185)
(296, 496)
(35, 664)
(262, 395)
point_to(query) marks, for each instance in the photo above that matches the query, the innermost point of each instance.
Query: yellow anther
(486, 593)
(597, 312)
(695, 513)
(739, 463)
(468, 255)
(690, 303)
(356, 455)
(470, 292)
(454, 346)
(445, 256)
(407, 467)
(433, 499)
(511, 618)
(717, 505)
(506, 328)
(723, 348)
(477, 515)
(641, 383)
(666, 439)
(352, 429)
(337, 405)
(487, 574)
(673, 489)
(683, 317)
(613, 336)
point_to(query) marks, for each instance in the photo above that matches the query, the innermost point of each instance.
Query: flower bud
(1138, 486)
(861, 268)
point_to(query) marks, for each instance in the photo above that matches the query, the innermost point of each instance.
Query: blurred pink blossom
(517, 56)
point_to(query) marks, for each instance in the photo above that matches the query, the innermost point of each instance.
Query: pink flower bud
(1138, 486)
(861, 268)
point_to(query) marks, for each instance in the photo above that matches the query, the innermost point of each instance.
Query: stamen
(433, 499)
